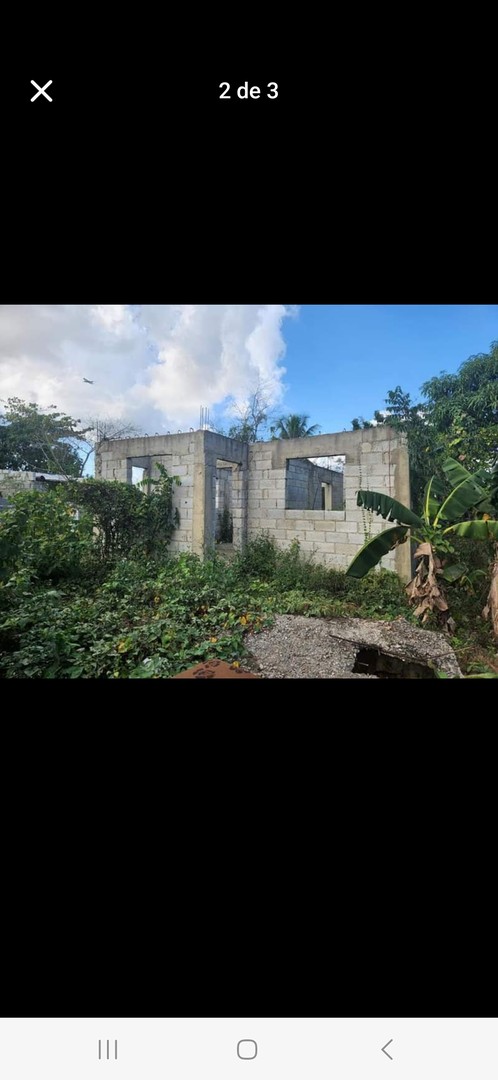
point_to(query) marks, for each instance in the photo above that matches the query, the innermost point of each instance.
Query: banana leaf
(475, 530)
(430, 503)
(457, 472)
(374, 550)
(465, 495)
(462, 497)
(388, 508)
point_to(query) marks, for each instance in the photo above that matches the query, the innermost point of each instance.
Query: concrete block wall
(304, 482)
(375, 458)
(13, 481)
(176, 453)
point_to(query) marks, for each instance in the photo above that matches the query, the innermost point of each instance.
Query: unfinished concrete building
(273, 487)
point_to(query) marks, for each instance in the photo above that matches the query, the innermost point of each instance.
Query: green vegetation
(35, 440)
(457, 417)
(434, 531)
(294, 426)
(44, 440)
(71, 607)
(88, 588)
(96, 614)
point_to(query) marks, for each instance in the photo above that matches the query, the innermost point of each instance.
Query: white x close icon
(41, 89)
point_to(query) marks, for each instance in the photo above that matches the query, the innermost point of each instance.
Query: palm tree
(294, 427)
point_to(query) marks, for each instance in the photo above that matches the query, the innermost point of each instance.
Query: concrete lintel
(140, 462)
(148, 446)
(340, 442)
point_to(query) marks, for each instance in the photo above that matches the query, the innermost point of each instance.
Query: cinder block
(346, 549)
(324, 549)
(319, 525)
(377, 482)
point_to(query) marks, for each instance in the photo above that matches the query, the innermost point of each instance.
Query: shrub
(41, 537)
(129, 521)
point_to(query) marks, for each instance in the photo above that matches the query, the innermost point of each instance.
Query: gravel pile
(296, 647)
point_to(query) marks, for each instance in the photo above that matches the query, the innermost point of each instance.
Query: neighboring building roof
(51, 477)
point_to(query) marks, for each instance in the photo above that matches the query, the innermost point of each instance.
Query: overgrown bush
(128, 519)
(151, 618)
(41, 538)
(309, 585)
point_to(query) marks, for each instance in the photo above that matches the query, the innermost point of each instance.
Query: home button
(247, 1049)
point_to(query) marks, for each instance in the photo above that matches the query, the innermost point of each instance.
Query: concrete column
(401, 461)
(203, 516)
(239, 503)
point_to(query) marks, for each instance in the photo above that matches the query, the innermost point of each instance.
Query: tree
(33, 439)
(294, 427)
(253, 416)
(359, 423)
(40, 440)
(98, 430)
(458, 416)
(463, 409)
(471, 499)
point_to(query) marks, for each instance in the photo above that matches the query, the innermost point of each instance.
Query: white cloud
(154, 364)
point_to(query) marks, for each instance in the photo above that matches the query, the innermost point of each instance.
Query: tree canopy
(457, 416)
(294, 426)
(32, 439)
(253, 418)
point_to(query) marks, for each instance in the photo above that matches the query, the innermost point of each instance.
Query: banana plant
(433, 530)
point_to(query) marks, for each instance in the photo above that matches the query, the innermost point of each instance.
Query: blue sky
(342, 360)
(156, 365)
